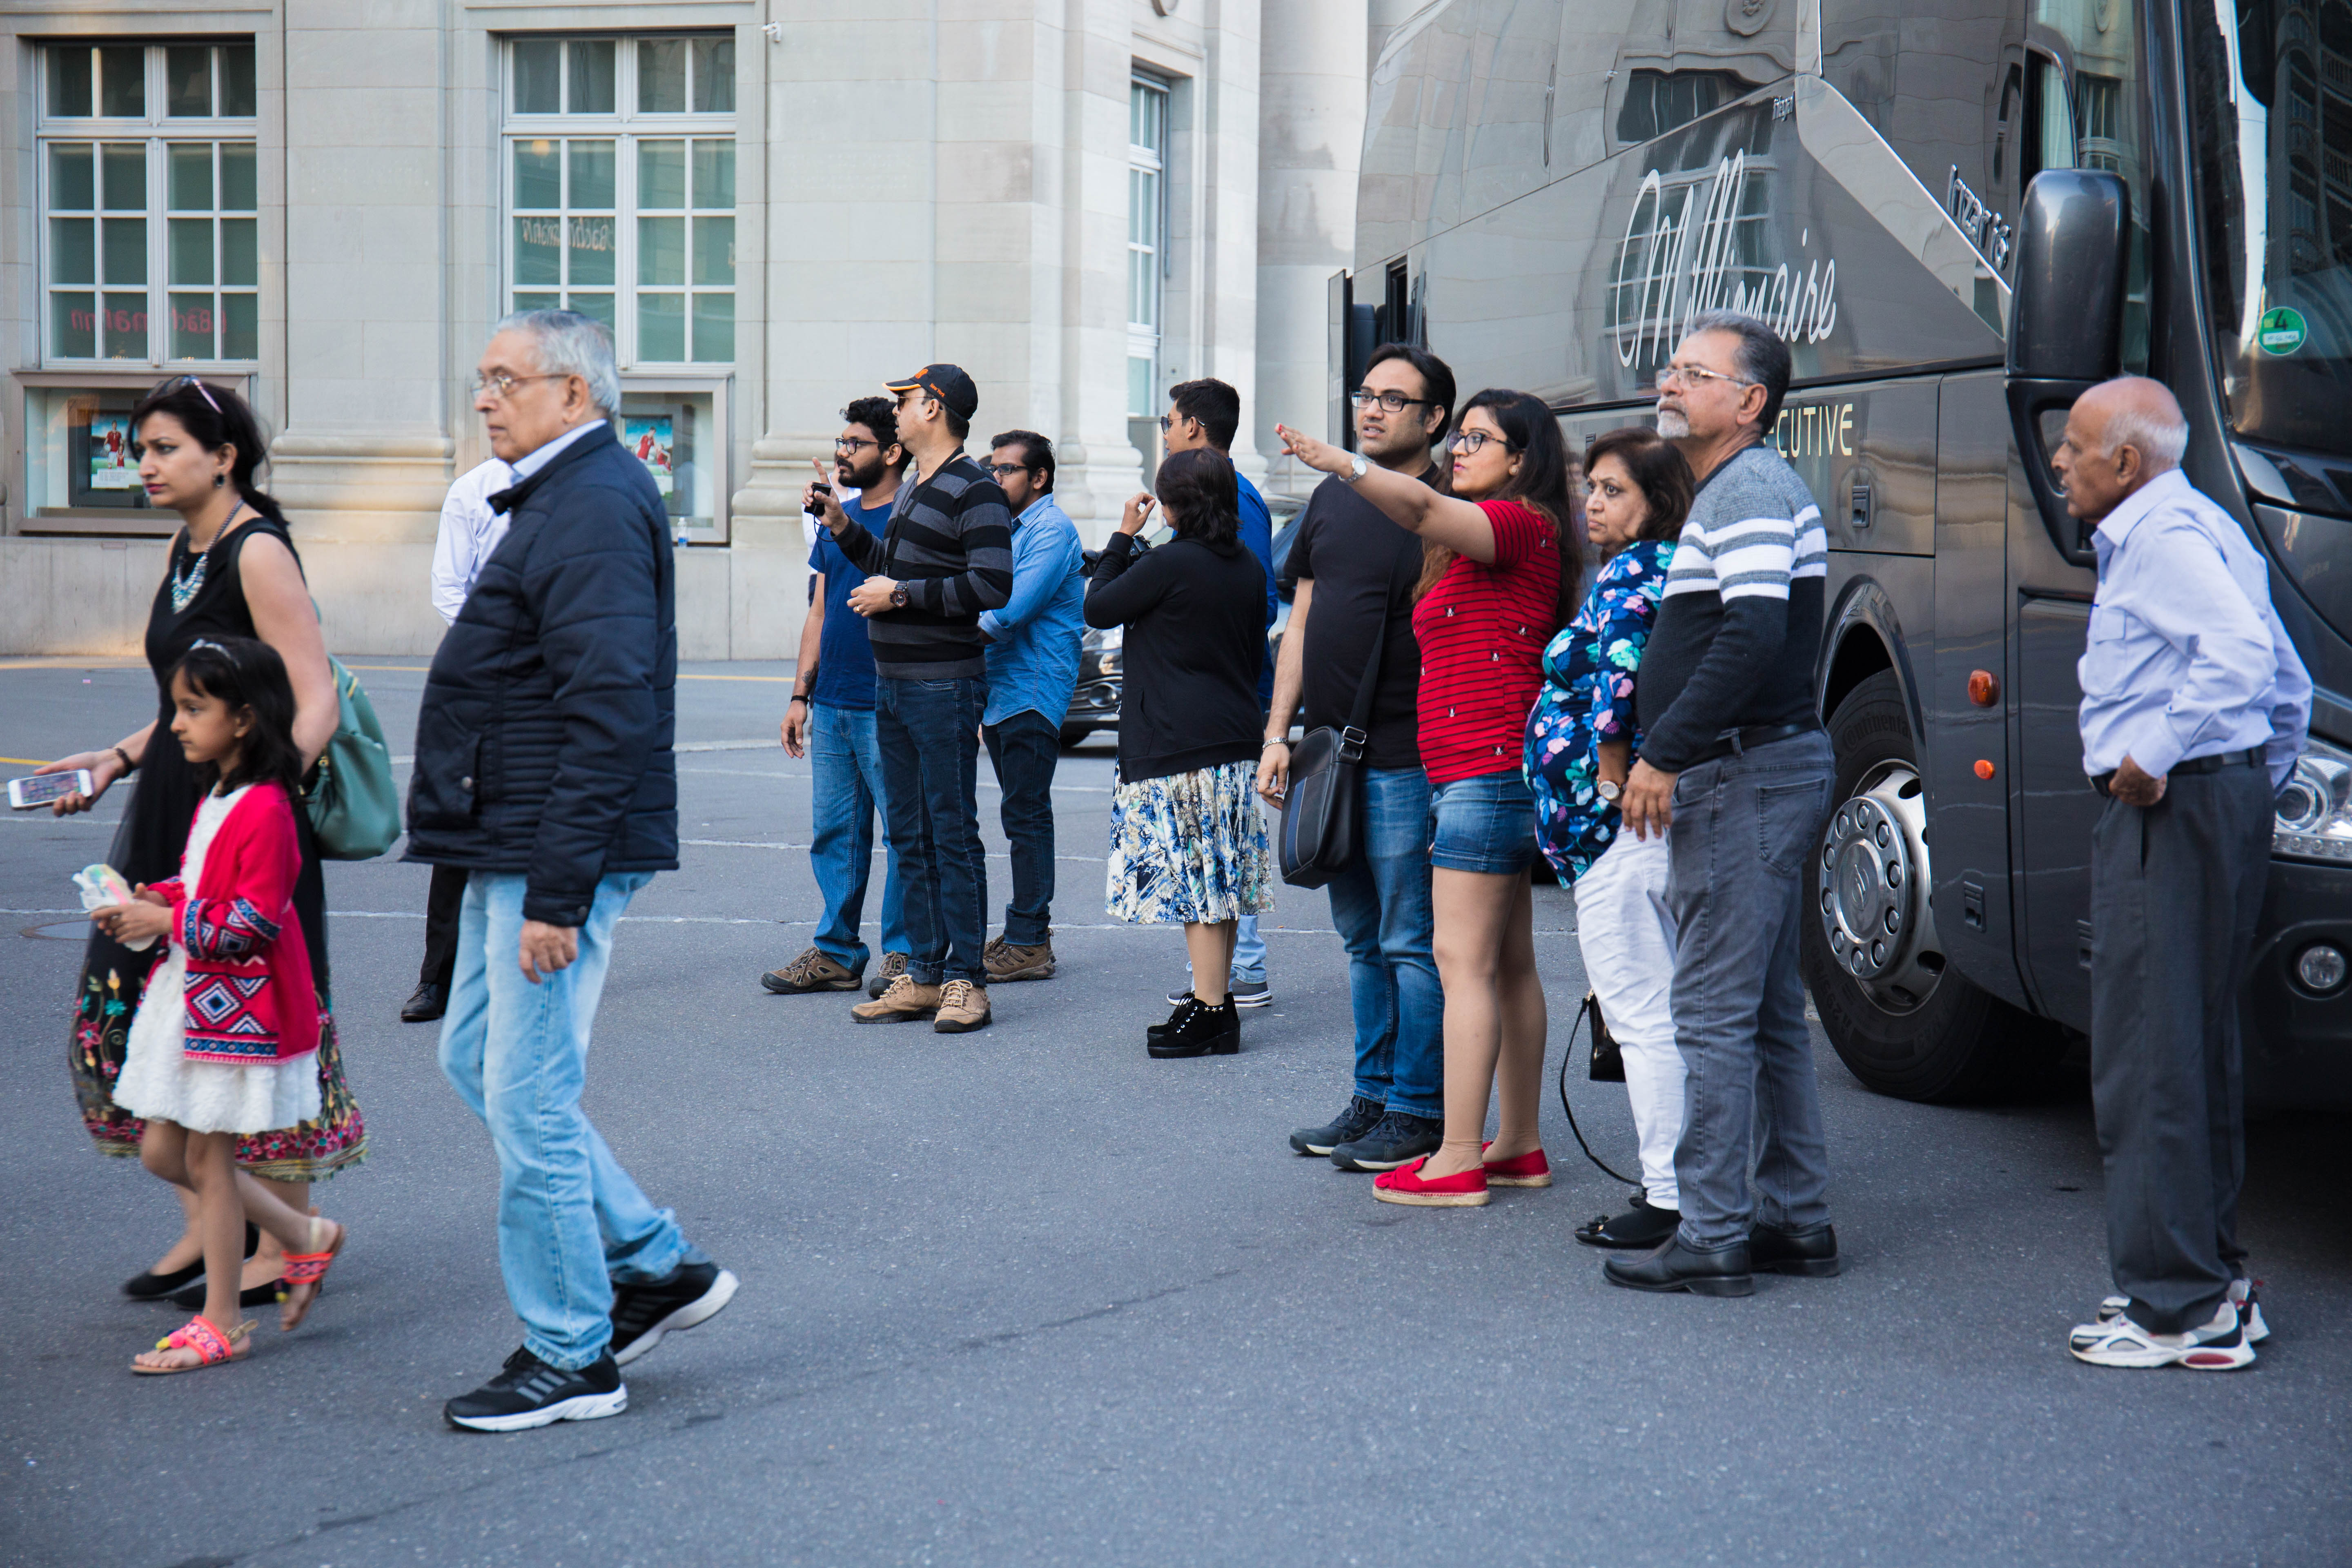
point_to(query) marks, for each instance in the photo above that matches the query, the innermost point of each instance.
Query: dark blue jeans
(1026, 749)
(930, 733)
(1381, 904)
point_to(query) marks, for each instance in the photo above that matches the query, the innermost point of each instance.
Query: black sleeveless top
(155, 822)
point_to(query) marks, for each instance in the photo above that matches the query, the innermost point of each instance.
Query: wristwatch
(899, 596)
(1357, 467)
(1609, 790)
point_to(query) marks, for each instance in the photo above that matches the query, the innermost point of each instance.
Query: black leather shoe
(150, 1286)
(1810, 1252)
(1639, 1228)
(1675, 1267)
(426, 1002)
(1360, 1117)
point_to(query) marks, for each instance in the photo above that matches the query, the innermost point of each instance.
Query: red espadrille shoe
(1404, 1186)
(1528, 1170)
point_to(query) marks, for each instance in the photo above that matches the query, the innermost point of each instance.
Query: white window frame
(1148, 251)
(625, 127)
(159, 132)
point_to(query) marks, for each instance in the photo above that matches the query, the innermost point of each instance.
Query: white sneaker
(2243, 1295)
(2218, 1346)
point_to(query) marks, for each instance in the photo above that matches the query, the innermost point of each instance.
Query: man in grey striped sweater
(1735, 771)
(945, 556)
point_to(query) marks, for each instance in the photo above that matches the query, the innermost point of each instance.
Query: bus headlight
(2315, 807)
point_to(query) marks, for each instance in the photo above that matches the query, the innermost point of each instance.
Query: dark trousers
(1026, 749)
(2175, 891)
(929, 736)
(442, 899)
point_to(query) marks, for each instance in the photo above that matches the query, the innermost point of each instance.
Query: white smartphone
(41, 789)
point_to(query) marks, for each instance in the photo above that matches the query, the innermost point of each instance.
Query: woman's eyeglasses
(1393, 401)
(203, 391)
(1475, 441)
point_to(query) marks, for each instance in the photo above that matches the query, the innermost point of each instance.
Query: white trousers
(1628, 938)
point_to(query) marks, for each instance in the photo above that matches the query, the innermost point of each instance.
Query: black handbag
(1319, 809)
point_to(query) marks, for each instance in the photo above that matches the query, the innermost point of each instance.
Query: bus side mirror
(2066, 317)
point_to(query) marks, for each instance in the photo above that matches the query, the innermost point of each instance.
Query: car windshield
(2271, 87)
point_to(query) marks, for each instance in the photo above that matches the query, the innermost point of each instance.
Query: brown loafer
(815, 970)
(908, 1000)
(963, 1007)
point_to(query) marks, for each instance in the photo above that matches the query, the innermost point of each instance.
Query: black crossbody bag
(1319, 828)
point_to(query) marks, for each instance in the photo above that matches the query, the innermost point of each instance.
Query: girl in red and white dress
(222, 1041)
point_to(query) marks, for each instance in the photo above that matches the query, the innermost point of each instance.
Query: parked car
(1094, 704)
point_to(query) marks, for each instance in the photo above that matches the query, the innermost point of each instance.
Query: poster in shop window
(648, 437)
(113, 465)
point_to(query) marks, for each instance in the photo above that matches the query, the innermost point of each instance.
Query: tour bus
(1959, 214)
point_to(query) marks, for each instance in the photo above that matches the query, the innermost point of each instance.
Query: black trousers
(442, 902)
(1026, 749)
(2175, 891)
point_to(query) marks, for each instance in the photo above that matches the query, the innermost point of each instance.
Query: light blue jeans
(1381, 904)
(571, 1221)
(845, 771)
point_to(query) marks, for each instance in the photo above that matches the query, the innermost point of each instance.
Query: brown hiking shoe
(894, 964)
(1005, 961)
(814, 970)
(963, 1006)
(907, 1000)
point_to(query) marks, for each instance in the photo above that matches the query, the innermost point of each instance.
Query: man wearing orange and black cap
(945, 556)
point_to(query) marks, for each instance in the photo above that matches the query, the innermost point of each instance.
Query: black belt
(1733, 743)
(2248, 758)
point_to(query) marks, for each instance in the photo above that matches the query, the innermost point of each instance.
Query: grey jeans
(2175, 892)
(1741, 846)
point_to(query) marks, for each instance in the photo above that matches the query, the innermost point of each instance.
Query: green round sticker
(2280, 332)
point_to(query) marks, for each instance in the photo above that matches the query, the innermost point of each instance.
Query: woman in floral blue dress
(1580, 744)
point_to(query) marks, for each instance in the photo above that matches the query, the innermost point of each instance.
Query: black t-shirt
(1363, 567)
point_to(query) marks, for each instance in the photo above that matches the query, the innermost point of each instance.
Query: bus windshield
(2272, 91)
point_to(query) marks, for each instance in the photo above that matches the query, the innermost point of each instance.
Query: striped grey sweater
(950, 542)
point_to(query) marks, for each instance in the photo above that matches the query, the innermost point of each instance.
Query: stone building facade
(776, 204)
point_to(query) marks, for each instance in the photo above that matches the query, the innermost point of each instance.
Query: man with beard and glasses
(831, 721)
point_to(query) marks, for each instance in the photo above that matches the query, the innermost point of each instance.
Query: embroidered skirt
(1190, 848)
(159, 1080)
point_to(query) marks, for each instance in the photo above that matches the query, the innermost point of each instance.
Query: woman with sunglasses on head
(232, 573)
(1580, 744)
(1498, 575)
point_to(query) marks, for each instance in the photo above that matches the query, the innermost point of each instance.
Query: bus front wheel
(1901, 1019)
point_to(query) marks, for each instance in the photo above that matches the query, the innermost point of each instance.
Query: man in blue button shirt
(1033, 665)
(2194, 708)
(831, 722)
(1208, 413)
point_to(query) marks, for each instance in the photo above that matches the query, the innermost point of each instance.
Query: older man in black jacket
(544, 770)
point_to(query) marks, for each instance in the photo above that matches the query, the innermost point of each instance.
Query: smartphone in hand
(44, 789)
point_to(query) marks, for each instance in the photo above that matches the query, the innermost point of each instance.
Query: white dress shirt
(469, 532)
(2185, 659)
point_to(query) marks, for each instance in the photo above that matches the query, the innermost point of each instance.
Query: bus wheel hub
(1871, 875)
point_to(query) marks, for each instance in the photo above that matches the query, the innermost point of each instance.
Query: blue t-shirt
(1258, 533)
(845, 661)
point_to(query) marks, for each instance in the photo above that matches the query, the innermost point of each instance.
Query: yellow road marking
(27, 762)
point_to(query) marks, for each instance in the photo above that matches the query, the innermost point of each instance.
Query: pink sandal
(306, 1268)
(212, 1346)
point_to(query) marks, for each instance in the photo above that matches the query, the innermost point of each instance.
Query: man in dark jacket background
(545, 771)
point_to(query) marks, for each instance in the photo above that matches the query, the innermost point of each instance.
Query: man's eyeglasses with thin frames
(1392, 400)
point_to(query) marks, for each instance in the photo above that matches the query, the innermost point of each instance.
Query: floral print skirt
(309, 1151)
(1190, 848)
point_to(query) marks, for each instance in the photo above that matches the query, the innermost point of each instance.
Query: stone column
(1311, 88)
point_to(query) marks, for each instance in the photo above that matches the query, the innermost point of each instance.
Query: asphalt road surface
(1027, 1297)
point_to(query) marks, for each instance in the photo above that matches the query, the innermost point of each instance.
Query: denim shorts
(1486, 823)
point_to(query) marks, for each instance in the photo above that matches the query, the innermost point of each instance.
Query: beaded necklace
(184, 588)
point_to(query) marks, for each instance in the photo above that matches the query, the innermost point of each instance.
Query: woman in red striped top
(1499, 577)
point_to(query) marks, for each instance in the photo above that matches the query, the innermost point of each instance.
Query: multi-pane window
(150, 195)
(620, 169)
(1147, 224)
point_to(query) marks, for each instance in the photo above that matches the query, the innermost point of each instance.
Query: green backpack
(354, 809)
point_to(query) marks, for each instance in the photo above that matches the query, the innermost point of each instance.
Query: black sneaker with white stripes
(692, 1293)
(529, 1392)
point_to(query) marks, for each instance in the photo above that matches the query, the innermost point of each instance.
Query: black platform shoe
(1197, 1029)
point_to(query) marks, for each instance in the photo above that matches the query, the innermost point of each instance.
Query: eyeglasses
(1696, 375)
(848, 445)
(1393, 401)
(501, 385)
(1001, 469)
(206, 393)
(1168, 421)
(1475, 441)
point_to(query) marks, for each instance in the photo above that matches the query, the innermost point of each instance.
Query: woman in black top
(232, 573)
(1187, 844)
